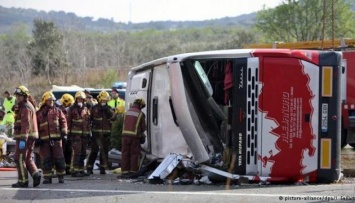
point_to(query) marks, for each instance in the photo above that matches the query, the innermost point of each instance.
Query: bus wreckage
(260, 115)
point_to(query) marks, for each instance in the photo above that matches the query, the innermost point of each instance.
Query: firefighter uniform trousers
(24, 161)
(79, 144)
(131, 150)
(100, 141)
(67, 152)
(51, 153)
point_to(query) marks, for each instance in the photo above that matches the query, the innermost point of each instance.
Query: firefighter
(9, 101)
(100, 117)
(90, 100)
(133, 129)
(116, 131)
(66, 101)
(116, 100)
(52, 129)
(79, 133)
(25, 134)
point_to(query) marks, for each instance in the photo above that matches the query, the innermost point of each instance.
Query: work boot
(102, 171)
(60, 178)
(90, 172)
(20, 185)
(125, 176)
(36, 179)
(84, 174)
(77, 174)
(67, 171)
(47, 180)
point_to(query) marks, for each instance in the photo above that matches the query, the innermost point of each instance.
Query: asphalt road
(107, 188)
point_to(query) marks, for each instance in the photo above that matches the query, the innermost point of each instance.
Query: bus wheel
(344, 134)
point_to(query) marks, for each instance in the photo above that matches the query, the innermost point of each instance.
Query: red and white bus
(263, 114)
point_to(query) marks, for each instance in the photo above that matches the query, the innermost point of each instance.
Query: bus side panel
(288, 109)
(350, 82)
(166, 136)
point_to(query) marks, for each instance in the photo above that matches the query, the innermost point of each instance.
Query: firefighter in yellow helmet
(100, 117)
(25, 134)
(79, 133)
(66, 101)
(133, 130)
(52, 129)
(116, 132)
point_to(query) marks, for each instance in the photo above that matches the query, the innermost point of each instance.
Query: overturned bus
(263, 115)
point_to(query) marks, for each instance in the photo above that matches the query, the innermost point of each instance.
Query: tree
(302, 20)
(15, 63)
(46, 49)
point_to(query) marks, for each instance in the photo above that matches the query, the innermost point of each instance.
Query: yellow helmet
(80, 94)
(46, 96)
(103, 96)
(22, 90)
(140, 102)
(67, 100)
(120, 109)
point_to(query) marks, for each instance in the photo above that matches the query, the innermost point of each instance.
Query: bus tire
(344, 134)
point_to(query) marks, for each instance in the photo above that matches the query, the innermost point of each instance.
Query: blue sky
(147, 10)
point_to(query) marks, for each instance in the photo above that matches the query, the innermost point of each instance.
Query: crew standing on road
(66, 101)
(116, 100)
(100, 117)
(79, 133)
(25, 134)
(133, 128)
(52, 129)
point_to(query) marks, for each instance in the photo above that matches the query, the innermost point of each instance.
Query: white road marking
(231, 193)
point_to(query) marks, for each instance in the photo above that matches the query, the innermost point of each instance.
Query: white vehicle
(264, 114)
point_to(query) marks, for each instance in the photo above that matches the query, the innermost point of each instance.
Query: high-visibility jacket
(9, 118)
(134, 122)
(9, 103)
(51, 123)
(78, 120)
(25, 121)
(100, 118)
(116, 102)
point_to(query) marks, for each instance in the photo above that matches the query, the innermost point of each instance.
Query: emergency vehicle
(260, 114)
(347, 47)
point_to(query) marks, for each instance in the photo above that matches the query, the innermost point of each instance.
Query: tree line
(60, 56)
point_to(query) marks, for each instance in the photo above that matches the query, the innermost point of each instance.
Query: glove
(142, 139)
(64, 136)
(38, 142)
(22, 144)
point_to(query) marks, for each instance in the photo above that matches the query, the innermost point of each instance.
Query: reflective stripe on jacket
(52, 123)
(78, 120)
(25, 122)
(134, 122)
(100, 118)
(116, 102)
(9, 103)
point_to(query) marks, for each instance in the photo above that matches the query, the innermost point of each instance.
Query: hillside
(10, 16)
